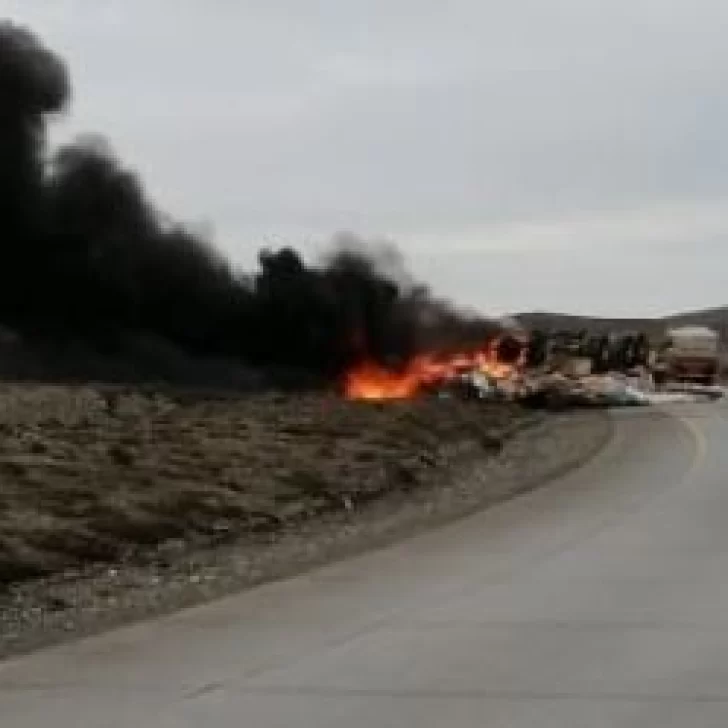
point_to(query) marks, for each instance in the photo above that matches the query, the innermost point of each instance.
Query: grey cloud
(418, 117)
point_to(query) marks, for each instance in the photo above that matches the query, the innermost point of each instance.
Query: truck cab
(690, 354)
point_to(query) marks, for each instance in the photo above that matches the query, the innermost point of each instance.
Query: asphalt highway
(598, 601)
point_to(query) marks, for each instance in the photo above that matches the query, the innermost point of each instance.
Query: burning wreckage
(549, 370)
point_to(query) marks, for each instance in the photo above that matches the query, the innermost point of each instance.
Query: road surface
(601, 600)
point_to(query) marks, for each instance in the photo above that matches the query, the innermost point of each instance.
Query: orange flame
(372, 381)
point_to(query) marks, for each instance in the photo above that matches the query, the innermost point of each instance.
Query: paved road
(599, 601)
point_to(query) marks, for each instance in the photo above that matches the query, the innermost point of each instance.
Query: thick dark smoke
(85, 256)
(33, 84)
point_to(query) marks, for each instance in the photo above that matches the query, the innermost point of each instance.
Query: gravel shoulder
(427, 464)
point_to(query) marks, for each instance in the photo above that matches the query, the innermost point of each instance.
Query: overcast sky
(524, 154)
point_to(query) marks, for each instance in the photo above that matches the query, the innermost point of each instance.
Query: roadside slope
(427, 462)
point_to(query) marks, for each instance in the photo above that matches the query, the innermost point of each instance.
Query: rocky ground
(117, 504)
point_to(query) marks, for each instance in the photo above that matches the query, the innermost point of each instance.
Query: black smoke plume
(85, 256)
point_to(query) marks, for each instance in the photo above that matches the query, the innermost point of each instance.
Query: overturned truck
(613, 352)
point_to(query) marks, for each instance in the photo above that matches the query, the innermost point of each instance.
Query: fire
(373, 381)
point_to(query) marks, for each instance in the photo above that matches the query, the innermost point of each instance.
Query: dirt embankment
(115, 505)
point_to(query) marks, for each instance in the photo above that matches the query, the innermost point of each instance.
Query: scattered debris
(573, 385)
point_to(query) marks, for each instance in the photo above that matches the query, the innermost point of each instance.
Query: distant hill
(714, 318)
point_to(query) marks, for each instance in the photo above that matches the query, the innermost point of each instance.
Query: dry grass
(89, 475)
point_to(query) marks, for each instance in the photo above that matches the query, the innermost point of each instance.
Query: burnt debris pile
(86, 261)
